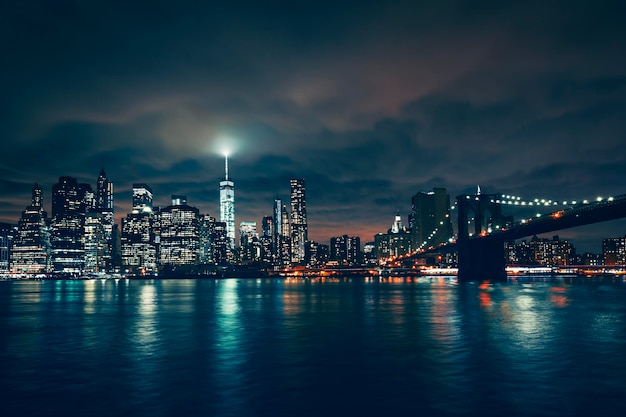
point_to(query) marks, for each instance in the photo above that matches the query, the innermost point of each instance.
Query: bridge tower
(481, 256)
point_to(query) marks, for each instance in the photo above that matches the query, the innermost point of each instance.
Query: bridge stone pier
(480, 258)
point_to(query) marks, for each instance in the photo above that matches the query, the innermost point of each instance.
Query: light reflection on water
(334, 346)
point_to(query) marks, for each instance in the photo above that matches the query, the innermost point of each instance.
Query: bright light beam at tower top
(226, 164)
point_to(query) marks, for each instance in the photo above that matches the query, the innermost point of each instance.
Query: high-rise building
(277, 221)
(31, 246)
(299, 227)
(142, 198)
(396, 242)
(267, 230)
(138, 243)
(104, 206)
(96, 245)
(551, 252)
(249, 242)
(220, 243)
(614, 251)
(315, 254)
(227, 206)
(70, 202)
(345, 249)
(206, 244)
(6, 243)
(179, 234)
(430, 213)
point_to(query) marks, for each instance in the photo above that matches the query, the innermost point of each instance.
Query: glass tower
(299, 228)
(227, 206)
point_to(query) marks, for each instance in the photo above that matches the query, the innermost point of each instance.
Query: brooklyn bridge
(483, 229)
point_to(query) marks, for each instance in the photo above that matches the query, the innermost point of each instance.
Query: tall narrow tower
(227, 205)
(299, 228)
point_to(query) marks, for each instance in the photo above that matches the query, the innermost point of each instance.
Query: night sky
(371, 102)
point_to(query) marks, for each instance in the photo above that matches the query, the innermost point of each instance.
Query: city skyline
(371, 103)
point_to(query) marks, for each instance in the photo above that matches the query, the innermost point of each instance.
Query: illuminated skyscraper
(299, 228)
(249, 242)
(227, 206)
(104, 206)
(266, 239)
(179, 229)
(32, 243)
(142, 198)
(70, 202)
(430, 214)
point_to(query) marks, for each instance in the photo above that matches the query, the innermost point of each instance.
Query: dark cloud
(371, 102)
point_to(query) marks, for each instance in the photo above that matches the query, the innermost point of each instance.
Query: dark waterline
(274, 347)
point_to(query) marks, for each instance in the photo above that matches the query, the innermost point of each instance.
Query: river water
(314, 347)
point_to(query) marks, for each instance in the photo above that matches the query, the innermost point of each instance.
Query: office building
(249, 243)
(614, 251)
(104, 206)
(227, 206)
(206, 245)
(31, 245)
(179, 233)
(345, 250)
(6, 242)
(142, 198)
(299, 227)
(138, 243)
(430, 215)
(394, 243)
(267, 230)
(70, 202)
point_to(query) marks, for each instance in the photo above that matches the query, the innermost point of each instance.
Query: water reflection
(426, 346)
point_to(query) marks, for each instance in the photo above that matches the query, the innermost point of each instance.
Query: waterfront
(354, 346)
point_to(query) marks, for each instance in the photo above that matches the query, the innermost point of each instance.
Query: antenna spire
(226, 165)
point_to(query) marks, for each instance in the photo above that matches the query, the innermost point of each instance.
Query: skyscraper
(32, 243)
(179, 227)
(142, 198)
(227, 206)
(70, 202)
(299, 228)
(430, 212)
(282, 234)
(104, 206)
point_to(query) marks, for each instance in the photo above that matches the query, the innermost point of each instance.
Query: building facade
(31, 246)
(299, 226)
(430, 215)
(227, 206)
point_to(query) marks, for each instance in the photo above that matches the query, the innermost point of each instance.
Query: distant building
(206, 244)
(249, 242)
(345, 250)
(396, 242)
(6, 242)
(220, 243)
(369, 254)
(105, 207)
(299, 227)
(179, 233)
(227, 206)
(96, 244)
(138, 242)
(267, 231)
(142, 198)
(31, 245)
(614, 251)
(552, 252)
(281, 234)
(70, 202)
(430, 215)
